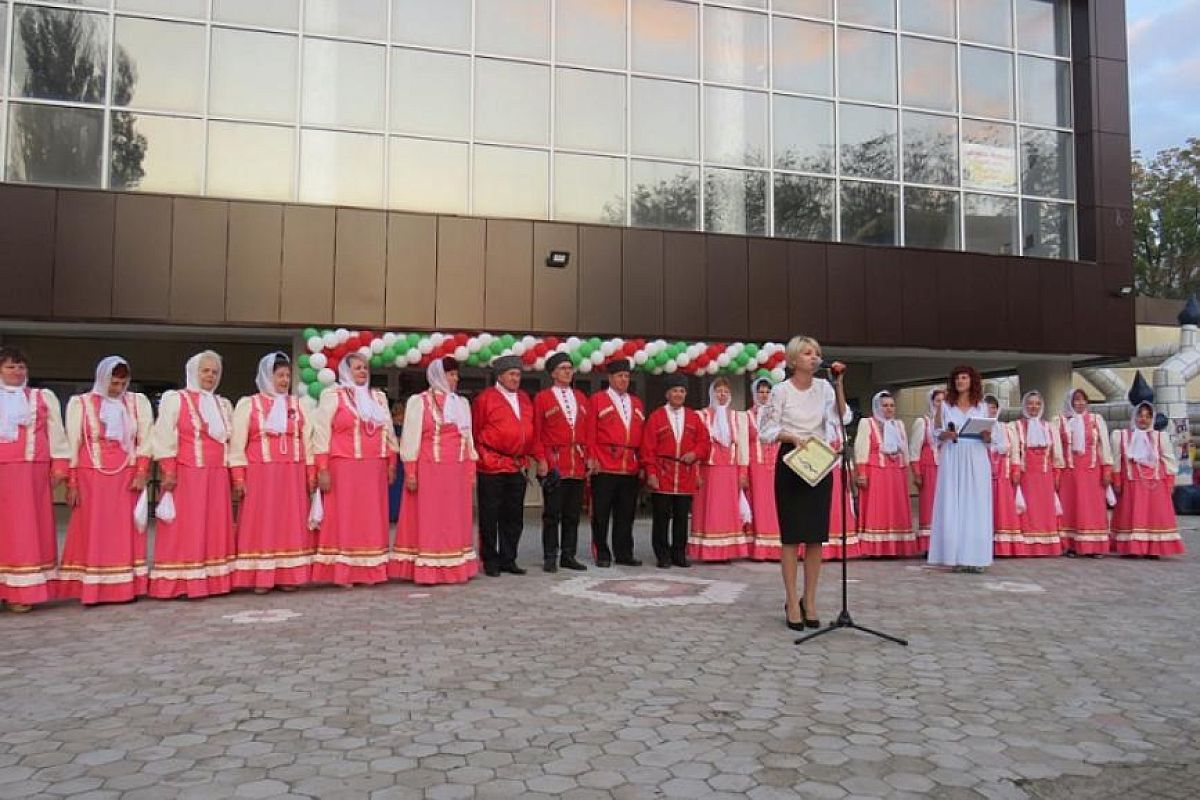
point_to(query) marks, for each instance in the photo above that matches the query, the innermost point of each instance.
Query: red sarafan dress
(1084, 522)
(104, 558)
(274, 544)
(1007, 540)
(36, 448)
(1144, 522)
(923, 459)
(717, 530)
(764, 524)
(886, 523)
(1039, 467)
(435, 539)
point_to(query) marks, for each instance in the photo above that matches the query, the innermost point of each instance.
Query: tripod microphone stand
(844, 620)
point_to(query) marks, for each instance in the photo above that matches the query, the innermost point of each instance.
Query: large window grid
(622, 210)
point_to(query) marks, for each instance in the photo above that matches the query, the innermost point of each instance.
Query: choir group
(310, 481)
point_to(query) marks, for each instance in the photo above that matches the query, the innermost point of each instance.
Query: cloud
(1164, 73)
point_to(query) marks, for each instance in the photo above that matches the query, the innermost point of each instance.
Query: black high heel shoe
(794, 626)
(808, 623)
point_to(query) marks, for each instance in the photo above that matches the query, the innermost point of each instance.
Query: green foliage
(1166, 222)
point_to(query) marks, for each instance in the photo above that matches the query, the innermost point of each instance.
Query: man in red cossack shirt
(502, 418)
(560, 415)
(614, 435)
(674, 442)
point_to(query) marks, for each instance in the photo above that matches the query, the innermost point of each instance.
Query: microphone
(834, 367)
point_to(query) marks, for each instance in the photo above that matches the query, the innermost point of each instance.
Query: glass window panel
(156, 154)
(880, 13)
(987, 83)
(935, 17)
(735, 47)
(589, 110)
(343, 84)
(931, 218)
(866, 65)
(89, 3)
(1047, 163)
(1045, 92)
(589, 189)
(664, 195)
(59, 55)
(665, 118)
(868, 142)
(803, 56)
(930, 149)
(260, 13)
(254, 161)
(804, 207)
(590, 32)
(431, 93)
(664, 37)
(341, 168)
(253, 75)
(803, 134)
(445, 23)
(1043, 26)
(870, 212)
(1049, 229)
(513, 27)
(930, 74)
(428, 176)
(807, 8)
(512, 102)
(48, 144)
(197, 9)
(735, 128)
(748, 3)
(986, 21)
(159, 65)
(3, 49)
(511, 182)
(990, 224)
(735, 201)
(360, 19)
(989, 156)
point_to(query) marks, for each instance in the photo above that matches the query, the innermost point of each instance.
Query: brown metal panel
(142, 257)
(884, 290)
(411, 270)
(685, 296)
(255, 262)
(1116, 237)
(83, 254)
(728, 274)
(555, 289)
(306, 289)
(1024, 306)
(599, 279)
(508, 278)
(918, 299)
(1087, 302)
(768, 288)
(847, 292)
(461, 249)
(1114, 181)
(199, 245)
(1086, 168)
(1120, 331)
(359, 268)
(1112, 96)
(641, 282)
(26, 251)
(988, 282)
(957, 309)
(808, 297)
(1108, 22)
(1057, 305)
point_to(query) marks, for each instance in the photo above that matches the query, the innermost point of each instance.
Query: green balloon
(763, 373)
(576, 358)
(310, 332)
(741, 359)
(751, 350)
(308, 374)
(314, 390)
(376, 362)
(508, 339)
(304, 360)
(595, 342)
(413, 339)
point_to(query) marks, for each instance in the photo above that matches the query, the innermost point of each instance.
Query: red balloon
(541, 348)
(461, 338)
(551, 342)
(529, 357)
(366, 337)
(701, 360)
(630, 348)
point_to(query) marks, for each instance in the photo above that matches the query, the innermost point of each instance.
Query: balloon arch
(326, 349)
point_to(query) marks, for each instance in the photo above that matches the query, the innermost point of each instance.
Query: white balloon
(474, 345)
(540, 364)
(413, 355)
(315, 344)
(528, 341)
(485, 339)
(377, 346)
(389, 339)
(618, 343)
(597, 358)
(585, 366)
(713, 368)
(777, 374)
(762, 357)
(518, 348)
(572, 342)
(342, 335)
(330, 340)
(437, 339)
(641, 357)
(734, 349)
(401, 361)
(656, 371)
(683, 359)
(318, 361)
(695, 349)
(461, 353)
(365, 352)
(425, 346)
(607, 349)
(562, 347)
(724, 359)
(669, 367)
(326, 377)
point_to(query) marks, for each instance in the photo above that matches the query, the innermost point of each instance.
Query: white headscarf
(368, 410)
(1074, 423)
(210, 409)
(1036, 437)
(931, 411)
(14, 411)
(999, 437)
(1141, 442)
(755, 406)
(455, 409)
(893, 441)
(276, 421)
(119, 425)
(722, 432)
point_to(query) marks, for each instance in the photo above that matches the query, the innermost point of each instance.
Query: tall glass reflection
(931, 218)
(868, 141)
(343, 84)
(664, 37)
(1047, 163)
(804, 207)
(802, 55)
(880, 13)
(735, 201)
(589, 110)
(431, 93)
(359, 19)
(55, 145)
(1045, 92)
(934, 17)
(986, 21)
(341, 168)
(665, 119)
(161, 65)
(1049, 229)
(251, 161)
(589, 189)
(253, 75)
(509, 182)
(866, 65)
(930, 149)
(590, 33)
(870, 212)
(59, 54)
(735, 127)
(152, 153)
(430, 176)
(803, 134)
(446, 23)
(664, 195)
(1043, 26)
(990, 224)
(930, 78)
(283, 14)
(987, 82)
(512, 102)
(518, 28)
(735, 47)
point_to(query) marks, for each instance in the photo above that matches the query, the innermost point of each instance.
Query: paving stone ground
(1063, 679)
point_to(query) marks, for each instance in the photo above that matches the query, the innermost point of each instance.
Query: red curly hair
(974, 394)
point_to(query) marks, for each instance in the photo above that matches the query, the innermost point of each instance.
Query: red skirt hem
(90, 594)
(169, 588)
(345, 575)
(270, 578)
(405, 570)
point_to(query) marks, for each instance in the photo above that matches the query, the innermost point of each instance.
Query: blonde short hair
(795, 347)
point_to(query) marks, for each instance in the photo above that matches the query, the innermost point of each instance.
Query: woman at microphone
(800, 409)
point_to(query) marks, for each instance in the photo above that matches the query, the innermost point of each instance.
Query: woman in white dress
(961, 535)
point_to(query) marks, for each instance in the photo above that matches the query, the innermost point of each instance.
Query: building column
(1051, 378)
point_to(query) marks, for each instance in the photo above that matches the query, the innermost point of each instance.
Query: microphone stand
(844, 620)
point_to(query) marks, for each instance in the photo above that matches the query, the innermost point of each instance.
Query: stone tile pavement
(1064, 678)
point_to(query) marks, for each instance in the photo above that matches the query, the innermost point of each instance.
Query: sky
(1164, 72)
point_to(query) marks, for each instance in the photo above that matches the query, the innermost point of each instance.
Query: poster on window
(986, 166)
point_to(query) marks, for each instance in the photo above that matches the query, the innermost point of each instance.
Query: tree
(1166, 222)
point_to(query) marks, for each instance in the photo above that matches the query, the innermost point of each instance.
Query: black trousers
(501, 516)
(613, 497)
(670, 511)
(560, 512)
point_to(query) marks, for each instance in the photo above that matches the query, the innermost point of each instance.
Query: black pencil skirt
(803, 510)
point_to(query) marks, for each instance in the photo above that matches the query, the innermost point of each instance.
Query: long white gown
(961, 535)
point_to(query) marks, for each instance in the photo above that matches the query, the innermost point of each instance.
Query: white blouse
(801, 413)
